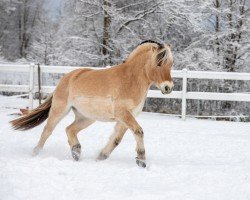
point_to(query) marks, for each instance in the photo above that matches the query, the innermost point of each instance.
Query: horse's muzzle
(167, 90)
(166, 87)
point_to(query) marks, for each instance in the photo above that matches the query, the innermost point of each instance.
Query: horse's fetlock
(141, 153)
(77, 146)
(102, 156)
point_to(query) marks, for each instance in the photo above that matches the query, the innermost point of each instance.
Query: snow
(187, 160)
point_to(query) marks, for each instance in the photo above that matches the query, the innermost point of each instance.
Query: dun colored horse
(114, 94)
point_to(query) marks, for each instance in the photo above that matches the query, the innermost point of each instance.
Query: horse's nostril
(167, 88)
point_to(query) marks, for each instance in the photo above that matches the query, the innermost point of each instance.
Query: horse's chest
(138, 108)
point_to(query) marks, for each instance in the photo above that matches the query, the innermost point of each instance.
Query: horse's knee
(139, 132)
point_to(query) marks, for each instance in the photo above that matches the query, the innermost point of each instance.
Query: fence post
(184, 92)
(31, 85)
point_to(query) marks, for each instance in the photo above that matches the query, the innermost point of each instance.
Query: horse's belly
(96, 108)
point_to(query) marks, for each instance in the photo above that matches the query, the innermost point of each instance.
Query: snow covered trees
(9, 34)
(17, 19)
(236, 20)
(102, 32)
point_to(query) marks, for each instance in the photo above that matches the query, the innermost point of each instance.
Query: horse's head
(157, 60)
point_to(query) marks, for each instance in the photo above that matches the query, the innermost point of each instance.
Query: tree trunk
(106, 33)
(231, 49)
(217, 5)
(24, 40)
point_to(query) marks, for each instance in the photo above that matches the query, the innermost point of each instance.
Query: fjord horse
(114, 94)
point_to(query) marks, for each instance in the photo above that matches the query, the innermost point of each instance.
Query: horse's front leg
(128, 119)
(114, 141)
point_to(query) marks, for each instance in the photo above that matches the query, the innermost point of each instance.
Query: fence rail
(183, 74)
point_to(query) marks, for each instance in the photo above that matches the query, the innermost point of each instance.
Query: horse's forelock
(162, 56)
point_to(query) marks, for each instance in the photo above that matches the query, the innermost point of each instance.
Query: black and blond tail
(34, 118)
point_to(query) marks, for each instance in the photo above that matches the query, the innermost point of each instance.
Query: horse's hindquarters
(96, 108)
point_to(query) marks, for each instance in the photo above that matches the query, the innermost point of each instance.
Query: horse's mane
(162, 54)
(152, 41)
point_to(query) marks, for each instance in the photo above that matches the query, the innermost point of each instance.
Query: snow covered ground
(187, 160)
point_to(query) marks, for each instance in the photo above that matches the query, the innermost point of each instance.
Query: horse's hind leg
(72, 130)
(57, 112)
(114, 141)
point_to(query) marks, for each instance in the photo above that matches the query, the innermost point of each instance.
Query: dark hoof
(102, 156)
(140, 163)
(76, 151)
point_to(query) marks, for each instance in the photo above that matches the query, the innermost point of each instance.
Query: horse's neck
(136, 76)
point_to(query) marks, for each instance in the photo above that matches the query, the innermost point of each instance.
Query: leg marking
(116, 142)
(141, 153)
(139, 132)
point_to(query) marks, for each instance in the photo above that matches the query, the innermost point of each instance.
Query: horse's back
(62, 90)
(96, 82)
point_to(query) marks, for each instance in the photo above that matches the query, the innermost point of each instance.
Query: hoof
(102, 156)
(36, 151)
(76, 151)
(140, 163)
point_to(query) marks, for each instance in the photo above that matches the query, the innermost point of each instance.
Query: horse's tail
(33, 118)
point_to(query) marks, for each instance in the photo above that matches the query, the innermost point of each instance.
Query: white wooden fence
(183, 74)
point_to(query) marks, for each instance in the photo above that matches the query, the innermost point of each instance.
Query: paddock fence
(184, 74)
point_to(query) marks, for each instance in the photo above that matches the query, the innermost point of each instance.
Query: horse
(115, 94)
